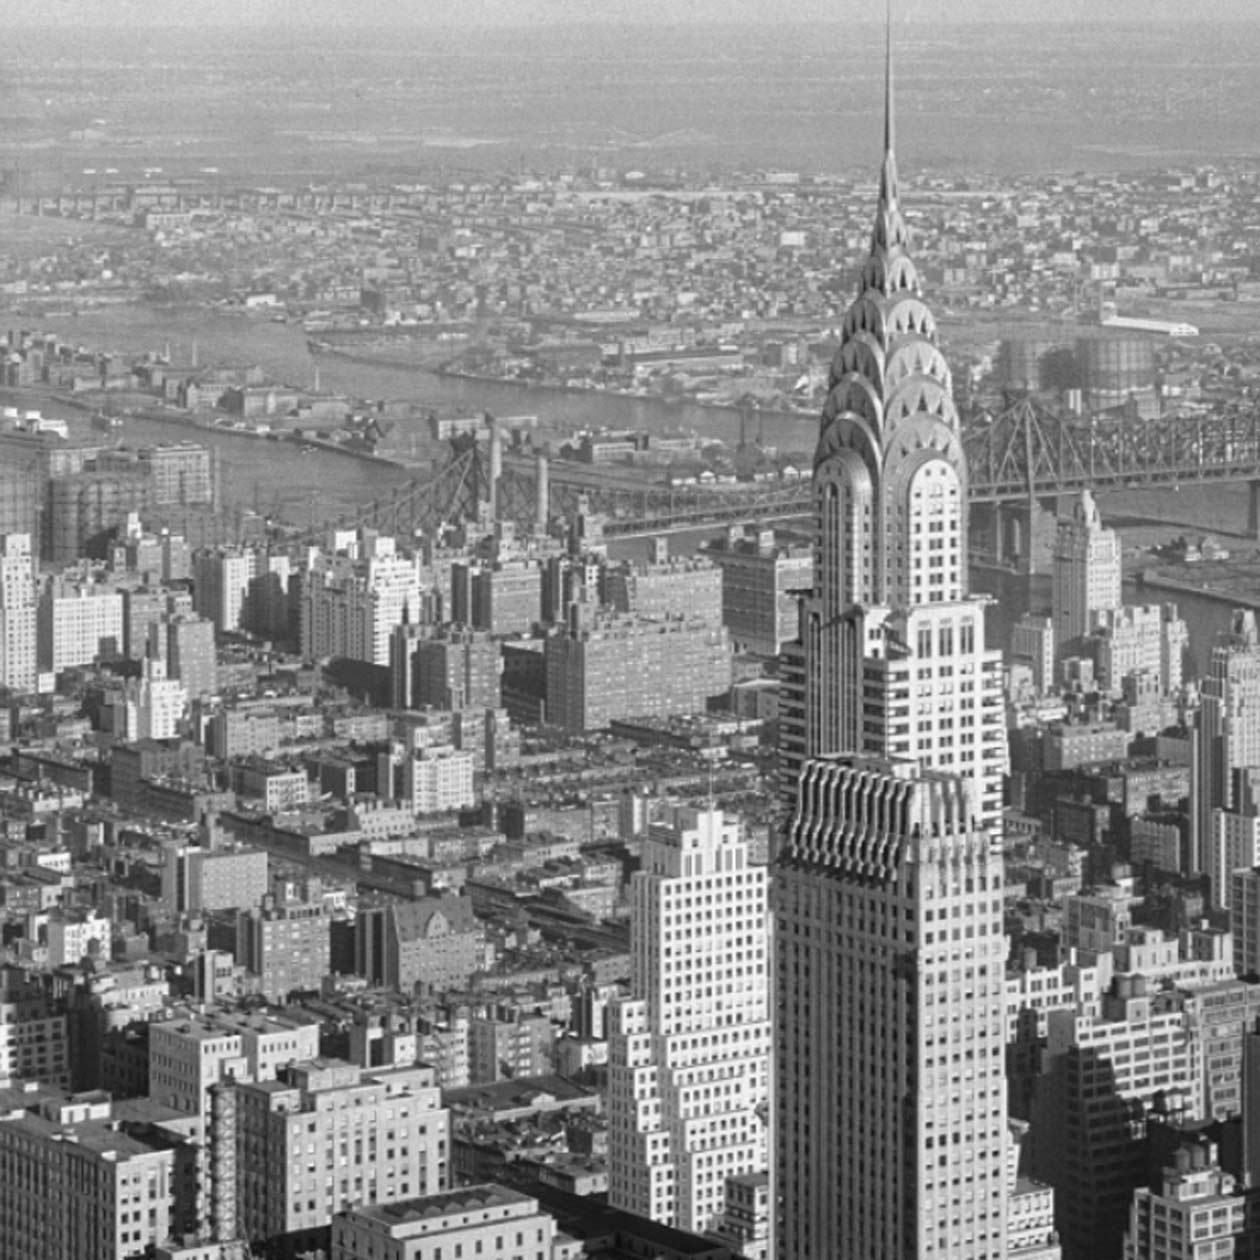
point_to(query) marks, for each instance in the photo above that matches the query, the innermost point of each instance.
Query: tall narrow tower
(1226, 729)
(895, 662)
(1086, 575)
(890, 1115)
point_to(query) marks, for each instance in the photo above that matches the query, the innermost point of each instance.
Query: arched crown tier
(889, 406)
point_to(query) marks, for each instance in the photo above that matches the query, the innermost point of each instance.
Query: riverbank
(447, 370)
(197, 427)
(1235, 583)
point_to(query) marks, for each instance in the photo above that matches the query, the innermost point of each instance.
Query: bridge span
(1020, 460)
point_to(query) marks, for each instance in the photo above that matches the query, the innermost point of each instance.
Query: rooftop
(434, 1206)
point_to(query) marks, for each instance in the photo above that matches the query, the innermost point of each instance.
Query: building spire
(888, 172)
(888, 79)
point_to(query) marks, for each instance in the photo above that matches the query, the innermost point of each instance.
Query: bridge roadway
(1018, 458)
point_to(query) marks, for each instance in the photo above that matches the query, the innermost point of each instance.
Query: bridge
(1020, 460)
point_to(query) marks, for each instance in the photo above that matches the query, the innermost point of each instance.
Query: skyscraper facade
(1227, 729)
(689, 1050)
(895, 660)
(890, 1116)
(1085, 574)
(890, 1124)
(17, 613)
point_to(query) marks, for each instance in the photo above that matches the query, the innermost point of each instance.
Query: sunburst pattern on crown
(888, 371)
(889, 408)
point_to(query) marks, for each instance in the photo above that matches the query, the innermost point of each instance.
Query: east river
(313, 485)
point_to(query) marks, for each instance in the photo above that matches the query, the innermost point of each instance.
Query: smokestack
(542, 494)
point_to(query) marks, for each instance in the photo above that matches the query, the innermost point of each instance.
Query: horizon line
(334, 22)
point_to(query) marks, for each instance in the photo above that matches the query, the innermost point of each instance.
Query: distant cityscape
(623, 713)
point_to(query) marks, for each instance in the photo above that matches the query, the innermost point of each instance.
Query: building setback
(689, 1048)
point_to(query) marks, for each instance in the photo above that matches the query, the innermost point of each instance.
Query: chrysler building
(894, 656)
(890, 1093)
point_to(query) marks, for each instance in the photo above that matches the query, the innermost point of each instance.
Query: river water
(313, 486)
(305, 487)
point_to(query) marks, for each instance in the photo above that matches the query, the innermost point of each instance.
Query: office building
(243, 732)
(328, 1133)
(188, 1054)
(458, 668)
(287, 940)
(182, 474)
(746, 1227)
(199, 879)
(1107, 1070)
(269, 611)
(404, 640)
(1244, 919)
(87, 509)
(1223, 1013)
(18, 649)
(350, 606)
(1085, 574)
(34, 1031)
(76, 934)
(1226, 731)
(1234, 840)
(143, 610)
(665, 587)
(894, 653)
(1196, 1213)
(486, 1220)
(434, 943)
(762, 580)
(78, 623)
(20, 485)
(76, 1181)
(689, 1052)
(1032, 641)
(503, 597)
(153, 704)
(1146, 639)
(190, 655)
(508, 1044)
(221, 580)
(437, 780)
(890, 1063)
(602, 666)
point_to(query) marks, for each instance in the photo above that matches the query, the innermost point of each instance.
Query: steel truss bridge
(1018, 458)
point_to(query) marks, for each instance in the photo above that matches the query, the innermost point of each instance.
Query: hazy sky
(457, 13)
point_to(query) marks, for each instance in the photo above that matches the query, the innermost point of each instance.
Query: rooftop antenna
(888, 78)
(888, 172)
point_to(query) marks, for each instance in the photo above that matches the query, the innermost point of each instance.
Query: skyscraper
(17, 613)
(1086, 572)
(1227, 729)
(689, 1052)
(890, 1123)
(890, 1117)
(895, 661)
